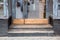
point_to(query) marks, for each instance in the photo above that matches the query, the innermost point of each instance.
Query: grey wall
(14, 9)
(49, 8)
(10, 7)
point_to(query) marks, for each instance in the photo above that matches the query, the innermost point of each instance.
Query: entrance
(29, 12)
(29, 17)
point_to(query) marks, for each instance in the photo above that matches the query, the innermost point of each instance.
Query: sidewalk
(30, 38)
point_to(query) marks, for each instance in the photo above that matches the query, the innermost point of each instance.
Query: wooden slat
(30, 21)
(18, 21)
(36, 21)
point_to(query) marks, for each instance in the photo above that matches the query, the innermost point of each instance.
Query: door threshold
(31, 26)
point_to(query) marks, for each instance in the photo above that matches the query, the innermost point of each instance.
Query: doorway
(29, 12)
(30, 16)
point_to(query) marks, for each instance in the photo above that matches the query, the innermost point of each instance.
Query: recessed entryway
(30, 14)
(30, 18)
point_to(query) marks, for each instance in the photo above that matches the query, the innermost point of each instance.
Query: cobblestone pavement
(29, 38)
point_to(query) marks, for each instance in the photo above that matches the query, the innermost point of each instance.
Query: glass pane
(35, 9)
(29, 9)
(59, 10)
(19, 9)
(1, 7)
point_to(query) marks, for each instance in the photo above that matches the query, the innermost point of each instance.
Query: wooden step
(18, 21)
(36, 21)
(30, 21)
(31, 26)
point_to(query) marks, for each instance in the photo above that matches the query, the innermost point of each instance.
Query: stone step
(30, 34)
(31, 26)
(30, 31)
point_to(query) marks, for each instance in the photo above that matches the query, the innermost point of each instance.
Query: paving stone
(34, 38)
(30, 38)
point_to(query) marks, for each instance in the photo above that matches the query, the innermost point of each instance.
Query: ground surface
(30, 38)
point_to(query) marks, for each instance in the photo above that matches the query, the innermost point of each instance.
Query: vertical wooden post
(25, 8)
